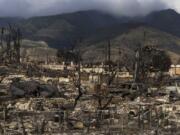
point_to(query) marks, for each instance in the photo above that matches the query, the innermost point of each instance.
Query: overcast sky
(27, 8)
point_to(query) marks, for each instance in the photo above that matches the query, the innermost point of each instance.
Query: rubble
(35, 100)
(32, 88)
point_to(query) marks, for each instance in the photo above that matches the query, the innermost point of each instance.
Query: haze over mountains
(58, 30)
(95, 28)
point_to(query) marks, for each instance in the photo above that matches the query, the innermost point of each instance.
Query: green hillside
(96, 28)
(129, 42)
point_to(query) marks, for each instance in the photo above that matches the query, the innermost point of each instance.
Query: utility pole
(9, 48)
(109, 55)
(109, 50)
(2, 36)
(136, 73)
(138, 60)
(79, 72)
(106, 55)
(119, 53)
(18, 45)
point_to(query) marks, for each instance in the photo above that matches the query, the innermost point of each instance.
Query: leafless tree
(78, 84)
(10, 34)
(77, 80)
(16, 37)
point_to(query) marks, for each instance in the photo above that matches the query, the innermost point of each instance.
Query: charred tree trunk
(79, 81)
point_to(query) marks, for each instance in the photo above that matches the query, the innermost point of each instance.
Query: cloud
(174, 4)
(14, 7)
(116, 7)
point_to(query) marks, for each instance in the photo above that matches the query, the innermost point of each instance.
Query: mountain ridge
(94, 27)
